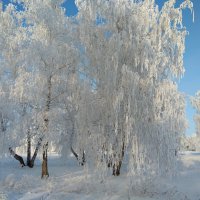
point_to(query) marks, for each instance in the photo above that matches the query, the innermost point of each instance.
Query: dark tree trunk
(83, 158)
(82, 162)
(28, 162)
(74, 153)
(45, 172)
(17, 157)
(116, 168)
(117, 165)
(109, 162)
(36, 152)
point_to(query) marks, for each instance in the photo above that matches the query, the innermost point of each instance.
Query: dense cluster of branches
(101, 83)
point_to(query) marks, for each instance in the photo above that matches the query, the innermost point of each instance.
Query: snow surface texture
(69, 181)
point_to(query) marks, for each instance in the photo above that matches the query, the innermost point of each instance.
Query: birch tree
(44, 59)
(106, 79)
(196, 104)
(134, 52)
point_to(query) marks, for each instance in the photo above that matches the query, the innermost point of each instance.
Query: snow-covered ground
(68, 181)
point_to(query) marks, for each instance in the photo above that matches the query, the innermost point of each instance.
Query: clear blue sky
(190, 83)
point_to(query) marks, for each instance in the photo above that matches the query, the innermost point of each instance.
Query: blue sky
(190, 83)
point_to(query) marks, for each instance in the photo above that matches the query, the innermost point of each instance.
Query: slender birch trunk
(45, 172)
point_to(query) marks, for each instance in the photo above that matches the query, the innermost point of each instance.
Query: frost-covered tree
(196, 104)
(7, 27)
(42, 57)
(5, 120)
(54, 60)
(132, 52)
(103, 82)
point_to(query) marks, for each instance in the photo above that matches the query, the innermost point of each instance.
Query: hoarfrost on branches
(102, 83)
(196, 104)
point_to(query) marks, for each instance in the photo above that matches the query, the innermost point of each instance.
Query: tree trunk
(109, 162)
(17, 157)
(118, 164)
(121, 122)
(36, 152)
(74, 153)
(82, 162)
(46, 126)
(45, 173)
(28, 161)
(116, 168)
(83, 158)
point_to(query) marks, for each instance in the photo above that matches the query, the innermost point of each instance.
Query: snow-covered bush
(190, 143)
